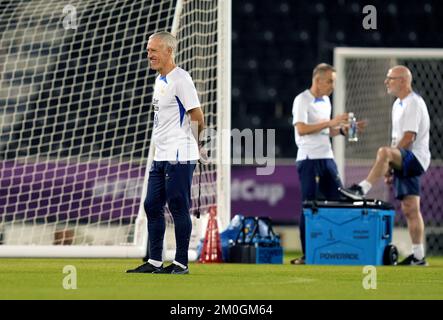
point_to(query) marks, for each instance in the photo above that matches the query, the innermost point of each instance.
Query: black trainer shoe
(354, 192)
(173, 269)
(145, 268)
(413, 261)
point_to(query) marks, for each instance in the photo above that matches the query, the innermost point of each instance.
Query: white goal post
(76, 121)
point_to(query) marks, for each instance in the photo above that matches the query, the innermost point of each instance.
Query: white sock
(366, 186)
(179, 264)
(418, 250)
(155, 263)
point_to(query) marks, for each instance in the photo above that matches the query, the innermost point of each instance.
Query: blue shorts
(407, 179)
(328, 179)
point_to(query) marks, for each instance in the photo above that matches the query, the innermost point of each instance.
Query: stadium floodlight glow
(76, 122)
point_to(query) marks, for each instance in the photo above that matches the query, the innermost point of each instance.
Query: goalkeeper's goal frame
(138, 248)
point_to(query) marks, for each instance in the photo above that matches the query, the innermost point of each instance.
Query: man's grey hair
(168, 39)
(322, 68)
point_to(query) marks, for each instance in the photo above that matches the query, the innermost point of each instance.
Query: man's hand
(204, 157)
(389, 177)
(338, 120)
(361, 125)
(344, 130)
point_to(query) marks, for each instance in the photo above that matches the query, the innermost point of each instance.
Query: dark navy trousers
(169, 183)
(319, 180)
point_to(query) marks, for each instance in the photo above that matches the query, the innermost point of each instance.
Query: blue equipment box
(271, 255)
(255, 242)
(349, 233)
(254, 253)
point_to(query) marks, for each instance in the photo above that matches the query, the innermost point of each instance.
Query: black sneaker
(413, 261)
(354, 192)
(145, 268)
(173, 269)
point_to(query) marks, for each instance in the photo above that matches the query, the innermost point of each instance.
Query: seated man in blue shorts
(407, 159)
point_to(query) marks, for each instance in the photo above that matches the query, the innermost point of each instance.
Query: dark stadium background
(276, 44)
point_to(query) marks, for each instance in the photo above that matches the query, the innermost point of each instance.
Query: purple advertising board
(277, 196)
(102, 191)
(62, 191)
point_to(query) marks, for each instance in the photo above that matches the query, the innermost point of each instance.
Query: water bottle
(352, 133)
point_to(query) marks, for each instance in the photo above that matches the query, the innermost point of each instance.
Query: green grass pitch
(106, 279)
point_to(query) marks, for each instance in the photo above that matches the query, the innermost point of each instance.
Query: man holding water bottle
(313, 126)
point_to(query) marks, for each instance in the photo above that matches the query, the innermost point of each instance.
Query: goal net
(76, 121)
(360, 89)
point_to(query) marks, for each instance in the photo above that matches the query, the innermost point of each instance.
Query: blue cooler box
(349, 233)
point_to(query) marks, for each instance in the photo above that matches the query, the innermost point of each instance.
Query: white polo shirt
(174, 96)
(310, 110)
(411, 114)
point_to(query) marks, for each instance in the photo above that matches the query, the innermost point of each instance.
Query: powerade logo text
(339, 256)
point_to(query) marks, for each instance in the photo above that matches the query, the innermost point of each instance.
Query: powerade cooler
(349, 233)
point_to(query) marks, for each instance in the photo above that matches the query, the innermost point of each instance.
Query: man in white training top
(176, 105)
(313, 127)
(406, 160)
